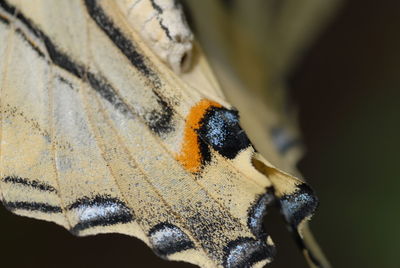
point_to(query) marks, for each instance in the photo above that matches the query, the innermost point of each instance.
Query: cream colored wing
(99, 135)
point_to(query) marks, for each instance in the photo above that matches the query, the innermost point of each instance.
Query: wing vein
(159, 141)
(53, 147)
(105, 24)
(145, 175)
(189, 174)
(98, 139)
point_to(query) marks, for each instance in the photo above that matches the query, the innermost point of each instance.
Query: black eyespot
(245, 251)
(167, 239)
(220, 128)
(299, 205)
(100, 210)
(257, 212)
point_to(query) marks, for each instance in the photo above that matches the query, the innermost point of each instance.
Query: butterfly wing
(99, 136)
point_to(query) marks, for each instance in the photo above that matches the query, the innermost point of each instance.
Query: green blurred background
(346, 86)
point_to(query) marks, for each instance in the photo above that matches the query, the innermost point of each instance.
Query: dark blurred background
(347, 89)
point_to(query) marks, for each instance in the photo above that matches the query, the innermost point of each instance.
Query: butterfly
(103, 131)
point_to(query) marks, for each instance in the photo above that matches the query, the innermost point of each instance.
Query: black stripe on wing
(121, 41)
(30, 43)
(41, 186)
(158, 120)
(32, 206)
(101, 210)
(63, 61)
(160, 20)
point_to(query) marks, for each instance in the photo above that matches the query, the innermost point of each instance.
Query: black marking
(204, 150)
(299, 205)
(108, 93)
(156, 6)
(30, 183)
(220, 128)
(211, 226)
(65, 81)
(244, 252)
(14, 12)
(160, 20)
(59, 58)
(116, 36)
(168, 239)
(102, 210)
(165, 28)
(159, 121)
(97, 82)
(257, 212)
(32, 206)
(295, 208)
(30, 43)
(62, 60)
(99, 222)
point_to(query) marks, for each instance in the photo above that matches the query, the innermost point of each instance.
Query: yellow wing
(99, 135)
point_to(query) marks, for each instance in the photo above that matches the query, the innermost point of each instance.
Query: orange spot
(190, 155)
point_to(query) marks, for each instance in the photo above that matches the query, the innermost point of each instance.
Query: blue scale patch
(220, 129)
(168, 239)
(245, 251)
(257, 213)
(299, 205)
(101, 210)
